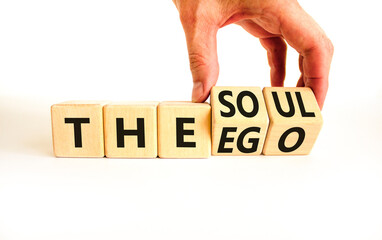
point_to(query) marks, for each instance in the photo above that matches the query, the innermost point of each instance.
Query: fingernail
(197, 91)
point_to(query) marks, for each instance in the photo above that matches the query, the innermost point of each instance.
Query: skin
(275, 22)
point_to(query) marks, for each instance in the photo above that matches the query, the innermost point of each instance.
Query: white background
(52, 51)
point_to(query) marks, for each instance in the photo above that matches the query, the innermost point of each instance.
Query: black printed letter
(227, 104)
(139, 132)
(302, 107)
(254, 141)
(278, 105)
(224, 139)
(240, 104)
(180, 132)
(77, 129)
(300, 140)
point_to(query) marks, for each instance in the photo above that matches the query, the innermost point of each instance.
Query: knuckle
(330, 46)
(197, 61)
(323, 47)
(327, 46)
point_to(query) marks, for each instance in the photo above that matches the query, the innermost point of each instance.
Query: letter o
(255, 109)
(300, 140)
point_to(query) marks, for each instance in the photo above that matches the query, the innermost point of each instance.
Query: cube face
(77, 129)
(130, 129)
(239, 121)
(295, 121)
(184, 130)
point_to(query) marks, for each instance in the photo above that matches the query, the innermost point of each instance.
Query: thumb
(202, 52)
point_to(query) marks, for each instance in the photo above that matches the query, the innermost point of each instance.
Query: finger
(276, 51)
(202, 51)
(304, 34)
(316, 65)
(300, 82)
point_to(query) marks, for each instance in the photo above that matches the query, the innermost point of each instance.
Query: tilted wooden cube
(184, 130)
(130, 129)
(295, 121)
(77, 128)
(239, 120)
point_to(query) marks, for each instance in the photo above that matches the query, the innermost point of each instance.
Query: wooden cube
(295, 121)
(130, 129)
(77, 128)
(184, 130)
(239, 120)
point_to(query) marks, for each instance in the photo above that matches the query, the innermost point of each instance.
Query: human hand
(273, 22)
